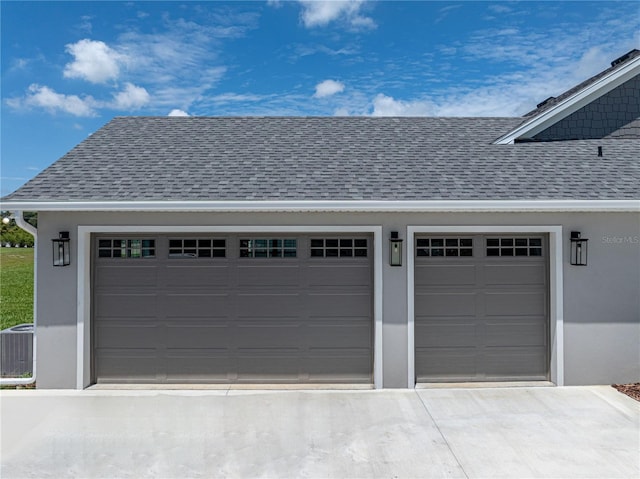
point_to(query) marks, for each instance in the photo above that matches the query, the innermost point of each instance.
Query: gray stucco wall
(601, 300)
(602, 303)
(610, 113)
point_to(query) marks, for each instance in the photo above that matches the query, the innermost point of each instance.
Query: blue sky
(69, 67)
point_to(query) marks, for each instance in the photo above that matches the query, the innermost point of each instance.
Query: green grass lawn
(16, 286)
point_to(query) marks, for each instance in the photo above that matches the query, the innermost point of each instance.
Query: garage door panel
(338, 305)
(280, 336)
(440, 304)
(224, 316)
(264, 365)
(515, 274)
(344, 365)
(268, 305)
(446, 363)
(446, 332)
(197, 305)
(267, 273)
(520, 333)
(126, 276)
(126, 365)
(348, 334)
(340, 275)
(338, 321)
(516, 362)
(445, 275)
(512, 303)
(128, 335)
(190, 276)
(214, 334)
(196, 365)
(483, 316)
(127, 305)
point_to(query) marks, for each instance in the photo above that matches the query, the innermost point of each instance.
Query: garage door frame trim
(555, 288)
(84, 293)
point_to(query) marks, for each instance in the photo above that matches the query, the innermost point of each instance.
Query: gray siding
(609, 115)
(601, 300)
(628, 131)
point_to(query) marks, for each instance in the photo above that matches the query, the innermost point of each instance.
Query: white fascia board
(331, 206)
(573, 103)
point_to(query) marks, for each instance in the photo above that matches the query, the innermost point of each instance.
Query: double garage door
(239, 308)
(232, 309)
(481, 308)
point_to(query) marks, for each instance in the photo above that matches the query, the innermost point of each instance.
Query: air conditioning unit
(16, 351)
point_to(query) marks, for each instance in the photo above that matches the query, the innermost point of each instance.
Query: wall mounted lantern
(395, 256)
(578, 249)
(62, 249)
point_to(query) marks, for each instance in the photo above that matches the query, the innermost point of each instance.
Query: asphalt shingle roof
(331, 158)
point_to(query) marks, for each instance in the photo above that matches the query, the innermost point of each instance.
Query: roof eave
(573, 103)
(356, 206)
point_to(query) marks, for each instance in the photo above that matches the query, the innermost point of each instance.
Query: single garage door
(232, 309)
(481, 308)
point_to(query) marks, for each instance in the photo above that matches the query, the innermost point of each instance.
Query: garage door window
(126, 248)
(338, 247)
(444, 247)
(268, 248)
(514, 246)
(197, 248)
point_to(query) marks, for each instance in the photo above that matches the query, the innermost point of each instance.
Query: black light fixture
(395, 250)
(578, 249)
(62, 249)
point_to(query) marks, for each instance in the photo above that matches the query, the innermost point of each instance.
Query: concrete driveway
(511, 432)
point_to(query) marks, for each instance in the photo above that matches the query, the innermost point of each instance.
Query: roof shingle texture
(331, 158)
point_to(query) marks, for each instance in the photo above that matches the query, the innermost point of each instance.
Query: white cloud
(13, 178)
(20, 63)
(44, 97)
(498, 8)
(170, 91)
(445, 12)
(512, 100)
(328, 88)
(236, 97)
(591, 62)
(388, 106)
(316, 13)
(85, 24)
(173, 66)
(506, 97)
(131, 98)
(94, 61)
(534, 65)
(177, 112)
(179, 65)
